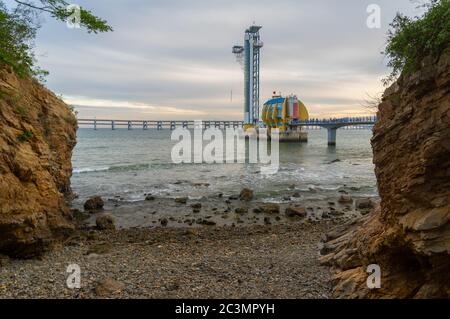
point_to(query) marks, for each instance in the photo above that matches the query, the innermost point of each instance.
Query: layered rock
(408, 236)
(37, 135)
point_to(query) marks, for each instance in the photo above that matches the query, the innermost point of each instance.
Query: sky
(172, 59)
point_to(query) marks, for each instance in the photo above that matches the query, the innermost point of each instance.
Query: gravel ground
(278, 261)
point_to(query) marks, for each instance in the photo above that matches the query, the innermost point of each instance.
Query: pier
(331, 124)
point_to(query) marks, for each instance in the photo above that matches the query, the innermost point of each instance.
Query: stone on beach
(94, 204)
(366, 203)
(181, 200)
(150, 197)
(295, 212)
(108, 288)
(105, 222)
(345, 199)
(246, 195)
(270, 208)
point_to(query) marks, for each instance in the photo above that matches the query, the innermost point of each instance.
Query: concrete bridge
(159, 125)
(332, 124)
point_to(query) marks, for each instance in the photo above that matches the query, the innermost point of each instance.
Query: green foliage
(25, 136)
(18, 30)
(410, 40)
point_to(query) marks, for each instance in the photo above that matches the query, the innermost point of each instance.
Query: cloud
(173, 57)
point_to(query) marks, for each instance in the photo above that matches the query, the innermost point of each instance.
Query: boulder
(241, 210)
(164, 222)
(345, 199)
(295, 212)
(181, 200)
(150, 197)
(365, 203)
(270, 208)
(94, 204)
(109, 288)
(246, 195)
(105, 222)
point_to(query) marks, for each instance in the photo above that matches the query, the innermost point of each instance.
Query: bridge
(331, 124)
(159, 125)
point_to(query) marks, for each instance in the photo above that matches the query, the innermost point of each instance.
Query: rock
(164, 222)
(109, 288)
(196, 206)
(297, 195)
(257, 210)
(150, 197)
(345, 199)
(267, 221)
(181, 200)
(37, 136)
(233, 197)
(241, 210)
(79, 215)
(408, 233)
(246, 195)
(105, 222)
(94, 204)
(4, 260)
(270, 208)
(206, 222)
(295, 212)
(99, 248)
(286, 198)
(335, 161)
(366, 203)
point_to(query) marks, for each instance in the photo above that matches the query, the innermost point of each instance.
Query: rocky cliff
(37, 135)
(408, 236)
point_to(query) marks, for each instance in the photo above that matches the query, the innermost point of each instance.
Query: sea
(130, 164)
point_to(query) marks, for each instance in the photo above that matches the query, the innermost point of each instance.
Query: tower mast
(251, 54)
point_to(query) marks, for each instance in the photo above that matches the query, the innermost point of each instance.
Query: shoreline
(279, 259)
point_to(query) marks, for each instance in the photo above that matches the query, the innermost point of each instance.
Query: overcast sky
(172, 59)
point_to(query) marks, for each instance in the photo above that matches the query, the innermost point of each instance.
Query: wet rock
(246, 195)
(150, 197)
(241, 210)
(109, 288)
(257, 210)
(297, 195)
(94, 204)
(206, 222)
(267, 221)
(292, 186)
(220, 195)
(287, 198)
(196, 206)
(335, 161)
(105, 222)
(365, 203)
(164, 222)
(270, 208)
(295, 212)
(79, 215)
(345, 199)
(181, 200)
(233, 197)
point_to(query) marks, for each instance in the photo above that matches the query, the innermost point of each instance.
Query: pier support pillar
(95, 125)
(331, 135)
(112, 125)
(129, 125)
(159, 126)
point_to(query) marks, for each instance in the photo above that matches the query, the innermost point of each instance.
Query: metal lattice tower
(251, 54)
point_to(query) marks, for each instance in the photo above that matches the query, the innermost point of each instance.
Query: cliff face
(409, 235)
(37, 135)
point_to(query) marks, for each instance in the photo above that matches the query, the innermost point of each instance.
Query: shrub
(410, 40)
